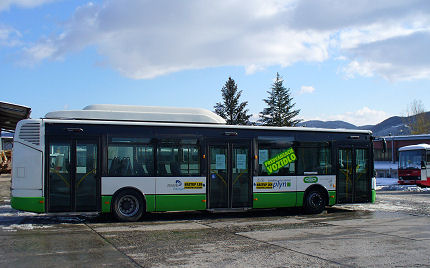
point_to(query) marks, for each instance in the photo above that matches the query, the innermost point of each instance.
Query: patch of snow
(386, 165)
(7, 211)
(406, 188)
(386, 181)
(15, 227)
(377, 207)
(390, 184)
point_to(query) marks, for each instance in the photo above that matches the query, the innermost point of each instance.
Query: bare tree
(417, 118)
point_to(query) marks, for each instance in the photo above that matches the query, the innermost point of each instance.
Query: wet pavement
(352, 236)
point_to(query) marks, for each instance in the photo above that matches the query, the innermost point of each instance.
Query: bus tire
(314, 202)
(128, 205)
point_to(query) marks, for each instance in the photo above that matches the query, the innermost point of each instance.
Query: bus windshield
(411, 159)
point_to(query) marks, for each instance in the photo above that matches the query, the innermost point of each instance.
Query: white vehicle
(129, 160)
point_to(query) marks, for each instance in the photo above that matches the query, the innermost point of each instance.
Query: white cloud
(144, 39)
(251, 69)
(361, 117)
(6, 4)
(9, 36)
(306, 89)
(397, 58)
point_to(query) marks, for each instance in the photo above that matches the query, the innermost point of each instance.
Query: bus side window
(313, 158)
(178, 158)
(130, 157)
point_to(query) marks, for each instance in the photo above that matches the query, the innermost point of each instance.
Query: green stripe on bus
(331, 198)
(33, 204)
(373, 196)
(106, 203)
(180, 202)
(150, 202)
(274, 200)
(300, 196)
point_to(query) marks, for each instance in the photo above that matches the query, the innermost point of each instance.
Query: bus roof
(422, 146)
(136, 113)
(163, 116)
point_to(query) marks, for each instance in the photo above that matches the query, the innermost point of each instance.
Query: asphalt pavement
(343, 236)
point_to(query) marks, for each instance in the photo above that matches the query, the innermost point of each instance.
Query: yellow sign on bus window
(280, 160)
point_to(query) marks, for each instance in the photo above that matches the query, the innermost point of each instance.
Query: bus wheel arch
(315, 199)
(128, 204)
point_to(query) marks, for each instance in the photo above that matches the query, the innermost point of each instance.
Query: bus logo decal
(280, 184)
(193, 185)
(264, 185)
(280, 160)
(310, 179)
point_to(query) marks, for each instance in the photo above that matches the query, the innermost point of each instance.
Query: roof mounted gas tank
(113, 112)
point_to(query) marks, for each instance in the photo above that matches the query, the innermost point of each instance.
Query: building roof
(405, 137)
(11, 113)
(140, 114)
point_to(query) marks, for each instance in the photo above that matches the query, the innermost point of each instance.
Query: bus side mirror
(423, 165)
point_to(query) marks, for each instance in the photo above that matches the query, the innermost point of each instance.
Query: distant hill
(395, 125)
(327, 124)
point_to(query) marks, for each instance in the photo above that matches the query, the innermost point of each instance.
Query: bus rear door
(353, 175)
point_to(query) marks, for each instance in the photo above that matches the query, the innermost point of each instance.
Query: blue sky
(361, 64)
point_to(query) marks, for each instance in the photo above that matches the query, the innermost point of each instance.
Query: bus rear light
(204, 200)
(107, 202)
(255, 199)
(41, 201)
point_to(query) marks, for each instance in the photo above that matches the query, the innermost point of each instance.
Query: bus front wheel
(128, 205)
(314, 202)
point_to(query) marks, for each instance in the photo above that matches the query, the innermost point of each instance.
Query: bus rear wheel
(128, 205)
(314, 202)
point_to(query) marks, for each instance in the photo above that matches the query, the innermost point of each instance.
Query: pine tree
(230, 108)
(280, 104)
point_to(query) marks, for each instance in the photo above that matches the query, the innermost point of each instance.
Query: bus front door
(73, 176)
(229, 177)
(353, 176)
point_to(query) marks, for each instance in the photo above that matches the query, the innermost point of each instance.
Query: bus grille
(30, 132)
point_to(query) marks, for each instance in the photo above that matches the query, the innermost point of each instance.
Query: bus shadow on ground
(10, 216)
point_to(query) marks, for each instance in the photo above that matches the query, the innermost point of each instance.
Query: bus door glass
(229, 176)
(73, 181)
(353, 181)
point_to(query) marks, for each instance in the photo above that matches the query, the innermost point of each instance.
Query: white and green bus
(132, 160)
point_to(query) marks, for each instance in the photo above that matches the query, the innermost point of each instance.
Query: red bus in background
(414, 165)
